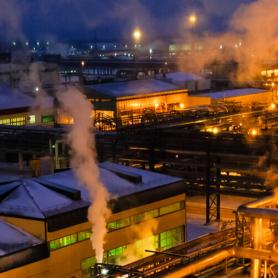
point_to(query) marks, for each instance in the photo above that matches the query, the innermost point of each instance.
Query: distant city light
(38, 43)
(220, 46)
(37, 89)
(150, 50)
(14, 43)
(27, 43)
(181, 105)
(82, 63)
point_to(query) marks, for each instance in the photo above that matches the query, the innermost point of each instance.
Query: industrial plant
(139, 139)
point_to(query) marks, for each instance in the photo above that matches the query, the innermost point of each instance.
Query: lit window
(32, 119)
(84, 235)
(85, 266)
(47, 119)
(171, 238)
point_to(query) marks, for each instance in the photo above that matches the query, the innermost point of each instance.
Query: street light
(192, 19)
(137, 35)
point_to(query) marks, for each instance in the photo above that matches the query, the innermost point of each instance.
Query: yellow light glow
(156, 105)
(82, 63)
(137, 35)
(272, 106)
(253, 132)
(192, 19)
(181, 105)
(215, 130)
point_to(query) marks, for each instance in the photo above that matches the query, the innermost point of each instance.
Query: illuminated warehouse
(44, 228)
(139, 97)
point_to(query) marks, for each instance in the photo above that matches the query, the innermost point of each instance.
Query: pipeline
(219, 256)
(201, 264)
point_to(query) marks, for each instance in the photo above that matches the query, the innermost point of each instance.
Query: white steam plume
(251, 40)
(84, 163)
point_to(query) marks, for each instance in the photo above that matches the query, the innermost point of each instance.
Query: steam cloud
(84, 164)
(251, 40)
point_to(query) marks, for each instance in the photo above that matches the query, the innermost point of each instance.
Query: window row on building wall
(143, 216)
(69, 240)
(121, 254)
(115, 225)
(25, 120)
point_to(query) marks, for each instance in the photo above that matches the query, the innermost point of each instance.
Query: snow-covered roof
(120, 180)
(54, 194)
(31, 199)
(11, 98)
(132, 88)
(233, 93)
(180, 76)
(13, 239)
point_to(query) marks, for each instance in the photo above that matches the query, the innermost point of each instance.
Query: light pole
(137, 35)
(192, 20)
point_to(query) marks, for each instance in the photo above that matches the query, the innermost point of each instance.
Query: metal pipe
(219, 256)
(265, 269)
(257, 233)
(210, 260)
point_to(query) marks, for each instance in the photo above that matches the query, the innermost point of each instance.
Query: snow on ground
(132, 88)
(196, 227)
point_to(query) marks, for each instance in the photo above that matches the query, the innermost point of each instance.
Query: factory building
(44, 227)
(17, 108)
(128, 100)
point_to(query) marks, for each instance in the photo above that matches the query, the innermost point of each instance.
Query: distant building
(189, 81)
(135, 98)
(17, 108)
(45, 232)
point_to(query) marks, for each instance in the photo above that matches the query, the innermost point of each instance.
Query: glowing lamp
(137, 34)
(192, 19)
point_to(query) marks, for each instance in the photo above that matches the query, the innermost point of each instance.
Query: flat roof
(131, 88)
(11, 98)
(180, 76)
(233, 93)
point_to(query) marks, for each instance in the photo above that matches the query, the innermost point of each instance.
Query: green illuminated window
(47, 119)
(140, 217)
(69, 240)
(85, 266)
(171, 238)
(84, 235)
(63, 242)
(111, 256)
(118, 224)
(171, 208)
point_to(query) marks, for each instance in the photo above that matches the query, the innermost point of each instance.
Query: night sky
(110, 19)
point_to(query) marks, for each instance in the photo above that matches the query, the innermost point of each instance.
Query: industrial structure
(44, 221)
